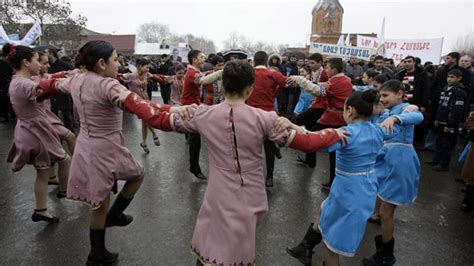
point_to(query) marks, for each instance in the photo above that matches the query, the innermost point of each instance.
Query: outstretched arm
(307, 85)
(216, 75)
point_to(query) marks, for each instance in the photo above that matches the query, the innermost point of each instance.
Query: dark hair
(193, 54)
(380, 78)
(379, 57)
(363, 102)
(260, 58)
(163, 55)
(316, 57)
(236, 76)
(336, 63)
(53, 51)
(393, 85)
(454, 55)
(371, 73)
(388, 60)
(307, 68)
(430, 68)
(142, 62)
(179, 67)
(455, 72)
(92, 52)
(410, 57)
(16, 54)
(215, 60)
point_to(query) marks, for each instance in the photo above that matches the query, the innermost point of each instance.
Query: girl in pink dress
(138, 82)
(235, 201)
(36, 140)
(63, 133)
(100, 157)
(176, 84)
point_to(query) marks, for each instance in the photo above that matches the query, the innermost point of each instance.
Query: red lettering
(366, 43)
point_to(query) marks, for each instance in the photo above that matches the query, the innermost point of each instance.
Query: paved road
(431, 232)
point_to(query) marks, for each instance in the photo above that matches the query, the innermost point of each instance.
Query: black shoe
(304, 250)
(326, 186)
(383, 255)
(460, 180)
(468, 201)
(116, 217)
(156, 141)
(36, 217)
(432, 163)
(61, 194)
(200, 175)
(269, 182)
(145, 148)
(278, 153)
(99, 255)
(440, 168)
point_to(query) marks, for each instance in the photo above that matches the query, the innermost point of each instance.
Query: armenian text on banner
(342, 51)
(398, 49)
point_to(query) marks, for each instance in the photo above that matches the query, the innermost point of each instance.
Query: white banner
(30, 37)
(341, 50)
(398, 49)
(33, 34)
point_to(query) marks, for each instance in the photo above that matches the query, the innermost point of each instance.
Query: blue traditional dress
(351, 201)
(397, 166)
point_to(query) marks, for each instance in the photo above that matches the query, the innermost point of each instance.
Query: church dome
(327, 4)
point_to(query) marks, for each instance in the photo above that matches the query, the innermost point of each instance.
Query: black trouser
(68, 118)
(194, 150)
(4, 105)
(166, 93)
(332, 155)
(309, 119)
(445, 144)
(269, 147)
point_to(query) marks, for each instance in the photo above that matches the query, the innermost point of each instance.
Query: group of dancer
(376, 137)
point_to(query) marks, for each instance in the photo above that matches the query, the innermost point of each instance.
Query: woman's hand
(343, 135)
(388, 124)
(185, 111)
(282, 124)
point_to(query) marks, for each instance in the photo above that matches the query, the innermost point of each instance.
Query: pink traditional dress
(176, 89)
(138, 83)
(35, 141)
(57, 124)
(235, 201)
(100, 157)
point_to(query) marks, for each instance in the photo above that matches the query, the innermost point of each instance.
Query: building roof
(325, 4)
(122, 43)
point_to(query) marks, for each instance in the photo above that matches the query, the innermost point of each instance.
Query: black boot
(99, 255)
(384, 254)
(304, 251)
(468, 201)
(116, 217)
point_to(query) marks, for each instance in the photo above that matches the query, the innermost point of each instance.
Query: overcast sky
(277, 21)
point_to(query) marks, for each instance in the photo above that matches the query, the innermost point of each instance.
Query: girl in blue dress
(397, 168)
(350, 203)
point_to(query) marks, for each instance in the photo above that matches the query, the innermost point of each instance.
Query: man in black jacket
(164, 69)
(6, 74)
(417, 92)
(60, 102)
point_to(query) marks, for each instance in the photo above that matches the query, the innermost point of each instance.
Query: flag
(340, 42)
(381, 49)
(348, 40)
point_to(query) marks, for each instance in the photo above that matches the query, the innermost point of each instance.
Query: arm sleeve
(188, 126)
(280, 79)
(309, 86)
(217, 75)
(316, 141)
(150, 113)
(410, 118)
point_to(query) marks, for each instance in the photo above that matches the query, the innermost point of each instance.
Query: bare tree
(233, 41)
(153, 32)
(238, 41)
(465, 44)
